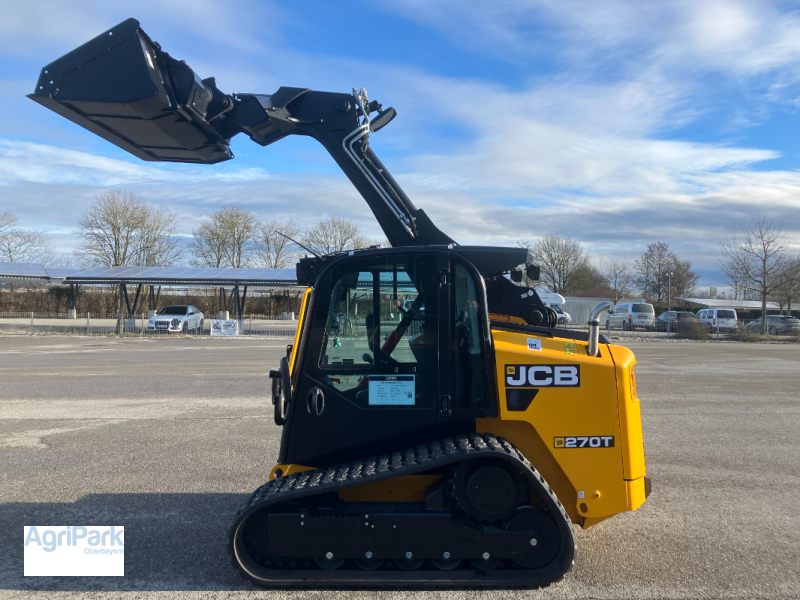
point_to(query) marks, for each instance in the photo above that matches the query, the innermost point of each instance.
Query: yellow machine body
(565, 431)
(586, 440)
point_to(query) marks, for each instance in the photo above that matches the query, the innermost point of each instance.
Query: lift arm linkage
(123, 87)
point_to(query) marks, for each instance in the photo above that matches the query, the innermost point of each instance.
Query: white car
(631, 315)
(724, 319)
(177, 319)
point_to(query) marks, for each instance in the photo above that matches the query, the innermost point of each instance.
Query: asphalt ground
(168, 437)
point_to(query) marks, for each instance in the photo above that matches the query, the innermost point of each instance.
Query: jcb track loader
(437, 430)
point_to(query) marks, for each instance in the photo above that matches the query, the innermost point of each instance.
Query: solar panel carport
(20, 271)
(237, 279)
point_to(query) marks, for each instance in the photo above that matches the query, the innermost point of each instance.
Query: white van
(724, 318)
(631, 315)
(555, 301)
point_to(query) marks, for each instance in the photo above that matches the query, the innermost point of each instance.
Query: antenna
(298, 243)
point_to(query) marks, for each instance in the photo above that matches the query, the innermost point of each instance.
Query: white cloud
(43, 163)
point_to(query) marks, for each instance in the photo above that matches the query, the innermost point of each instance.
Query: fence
(257, 326)
(52, 315)
(108, 325)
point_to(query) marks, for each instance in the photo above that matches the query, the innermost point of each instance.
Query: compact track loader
(438, 431)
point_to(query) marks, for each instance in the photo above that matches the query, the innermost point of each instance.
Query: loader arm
(123, 87)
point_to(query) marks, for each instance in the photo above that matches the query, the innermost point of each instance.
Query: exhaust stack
(594, 327)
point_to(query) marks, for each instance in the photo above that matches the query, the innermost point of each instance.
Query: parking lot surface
(168, 437)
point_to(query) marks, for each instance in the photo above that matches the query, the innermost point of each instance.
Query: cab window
(467, 361)
(379, 344)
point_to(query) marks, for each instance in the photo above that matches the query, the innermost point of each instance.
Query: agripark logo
(74, 551)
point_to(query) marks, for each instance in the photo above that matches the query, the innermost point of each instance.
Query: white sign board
(224, 327)
(391, 390)
(74, 551)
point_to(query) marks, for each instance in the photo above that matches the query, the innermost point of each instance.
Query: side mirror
(382, 120)
(516, 275)
(533, 272)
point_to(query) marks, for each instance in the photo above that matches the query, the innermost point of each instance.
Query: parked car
(632, 315)
(673, 320)
(777, 324)
(724, 319)
(179, 318)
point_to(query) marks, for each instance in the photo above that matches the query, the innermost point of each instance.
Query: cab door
(369, 381)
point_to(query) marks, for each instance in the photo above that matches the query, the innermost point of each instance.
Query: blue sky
(617, 123)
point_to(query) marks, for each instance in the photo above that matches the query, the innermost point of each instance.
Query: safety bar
(594, 327)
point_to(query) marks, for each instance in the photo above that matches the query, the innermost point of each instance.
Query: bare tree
(7, 221)
(334, 235)
(225, 240)
(787, 290)
(659, 267)
(159, 242)
(758, 258)
(122, 229)
(683, 278)
(589, 282)
(276, 251)
(22, 245)
(619, 274)
(562, 263)
(207, 248)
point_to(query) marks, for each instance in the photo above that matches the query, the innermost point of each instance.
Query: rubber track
(388, 466)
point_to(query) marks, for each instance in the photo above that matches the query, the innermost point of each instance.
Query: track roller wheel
(369, 564)
(329, 564)
(545, 540)
(446, 564)
(485, 564)
(409, 563)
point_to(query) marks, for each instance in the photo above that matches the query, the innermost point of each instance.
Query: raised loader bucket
(124, 88)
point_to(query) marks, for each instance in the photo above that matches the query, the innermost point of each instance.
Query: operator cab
(380, 329)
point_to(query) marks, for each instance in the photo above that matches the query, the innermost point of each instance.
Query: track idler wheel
(487, 491)
(545, 539)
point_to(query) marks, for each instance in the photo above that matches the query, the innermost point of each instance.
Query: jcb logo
(543, 375)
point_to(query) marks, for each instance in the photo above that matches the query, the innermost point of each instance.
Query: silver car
(177, 319)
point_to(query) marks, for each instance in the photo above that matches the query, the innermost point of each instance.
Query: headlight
(151, 322)
(176, 322)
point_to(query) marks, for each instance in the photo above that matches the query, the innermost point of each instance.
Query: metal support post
(31, 323)
(142, 334)
(88, 322)
(235, 299)
(71, 302)
(669, 305)
(120, 317)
